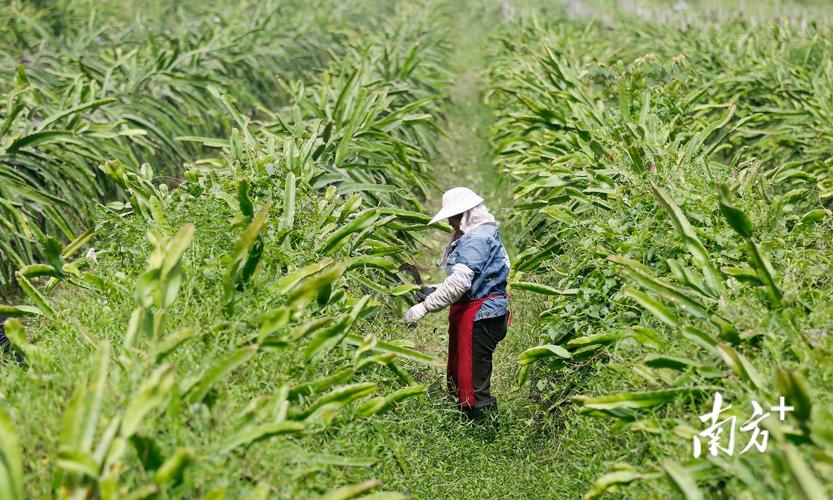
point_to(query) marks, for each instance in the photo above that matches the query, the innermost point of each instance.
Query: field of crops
(204, 207)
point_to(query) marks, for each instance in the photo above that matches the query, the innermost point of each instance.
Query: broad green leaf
(599, 338)
(814, 216)
(34, 295)
(692, 241)
(739, 365)
(310, 326)
(19, 311)
(350, 205)
(218, 371)
(291, 280)
(542, 352)
(152, 393)
(37, 139)
(299, 296)
(682, 480)
(735, 217)
(252, 435)
(307, 389)
(333, 242)
(404, 289)
(87, 106)
(644, 277)
(77, 461)
(148, 451)
(377, 407)
(351, 491)
(604, 483)
(326, 406)
(171, 472)
(37, 270)
(794, 387)
(672, 362)
(170, 274)
(765, 272)
(52, 252)
(371, 261)
(745, 275)
(387, 347)
(171, 343)
(700, 338)
(652, 306)
(406, 215)
(329, 337)
(243, 200)
(238, 259)
(620, 405)
(542, 289)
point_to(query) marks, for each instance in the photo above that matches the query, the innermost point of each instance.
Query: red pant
(470, 349)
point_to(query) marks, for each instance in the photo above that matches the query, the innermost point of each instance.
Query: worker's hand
(423, 294)
(415, 314)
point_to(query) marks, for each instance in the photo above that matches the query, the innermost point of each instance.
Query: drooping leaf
(735, 217)
(542, 289)
(542, 352)
(34, 295)
(171, 472)
(404, 289)
(794, 387)
(243, 200)
(740, 365)
(336, 239)
(218, 371)
(252, 435)
(621, 405)
(652, 306)
(19, 311)
(682, 480)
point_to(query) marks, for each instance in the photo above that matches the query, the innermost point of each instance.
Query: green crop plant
(79, 92)
(250, 320)
(672, 188)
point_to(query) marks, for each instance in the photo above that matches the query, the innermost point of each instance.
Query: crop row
(673, 189)
(253, 311)
(81, 87)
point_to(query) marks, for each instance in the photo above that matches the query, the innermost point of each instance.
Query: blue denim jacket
(482, 251)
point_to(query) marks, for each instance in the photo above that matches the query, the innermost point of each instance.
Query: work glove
(424, 292)
(415, 314)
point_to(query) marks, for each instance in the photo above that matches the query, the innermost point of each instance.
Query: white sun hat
(456, 201)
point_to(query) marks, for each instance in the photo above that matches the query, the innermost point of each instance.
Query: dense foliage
(81, 87)
(262, 256)
(204, 207)
(674, 188)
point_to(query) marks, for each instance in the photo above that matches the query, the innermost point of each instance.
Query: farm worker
(476, 266)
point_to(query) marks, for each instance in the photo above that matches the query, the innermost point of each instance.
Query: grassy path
(465, 160)
(429, 452)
